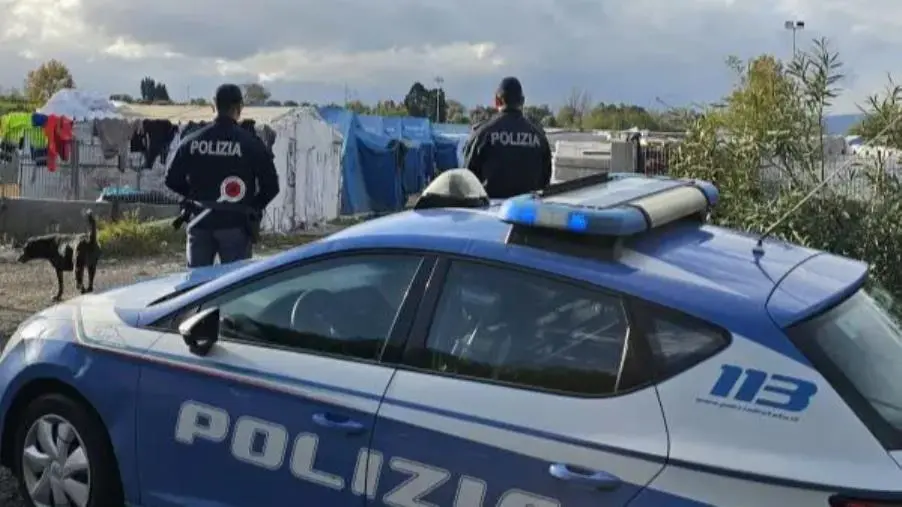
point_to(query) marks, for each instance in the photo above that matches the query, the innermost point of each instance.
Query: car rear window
(857, 346)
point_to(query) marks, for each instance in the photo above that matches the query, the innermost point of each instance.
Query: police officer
(508, 153)
(225, 164)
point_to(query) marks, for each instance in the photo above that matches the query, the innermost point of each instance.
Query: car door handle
(582, 476)
(338, 422)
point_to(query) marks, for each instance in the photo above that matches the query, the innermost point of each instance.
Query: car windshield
(862, 338)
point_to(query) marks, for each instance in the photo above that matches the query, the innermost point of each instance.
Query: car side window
(678, 341)
(529, 331)
(345, 306)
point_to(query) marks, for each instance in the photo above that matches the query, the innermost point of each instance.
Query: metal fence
(850, 175)
(84, 174)
(87, 173)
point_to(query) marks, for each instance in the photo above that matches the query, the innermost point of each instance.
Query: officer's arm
(546, 162)
(177, 172)
(473, 152)
(267, 178)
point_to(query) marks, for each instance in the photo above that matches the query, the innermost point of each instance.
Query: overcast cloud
(632, 51)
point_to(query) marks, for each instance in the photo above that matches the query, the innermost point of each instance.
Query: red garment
(58, 130)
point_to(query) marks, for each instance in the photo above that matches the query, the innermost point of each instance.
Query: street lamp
(796, 26)
(439, 81)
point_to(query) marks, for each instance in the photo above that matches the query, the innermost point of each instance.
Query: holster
(185, 216)
(252, 226)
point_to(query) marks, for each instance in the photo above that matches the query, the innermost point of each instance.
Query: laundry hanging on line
(58, 130)
(115, 135)
(47, 138)
(153, 138)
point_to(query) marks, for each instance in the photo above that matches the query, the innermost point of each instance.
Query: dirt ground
(28, 288)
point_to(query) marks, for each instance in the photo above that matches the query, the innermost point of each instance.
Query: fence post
(74, 164)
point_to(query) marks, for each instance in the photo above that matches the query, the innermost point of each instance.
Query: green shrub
(774, 117)
(129, 237)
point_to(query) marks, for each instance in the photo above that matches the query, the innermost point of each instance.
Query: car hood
(129, 300)
(113, 317)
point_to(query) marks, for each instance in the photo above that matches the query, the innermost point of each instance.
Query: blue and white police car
(596, 344)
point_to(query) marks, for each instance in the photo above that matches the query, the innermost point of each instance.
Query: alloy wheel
(55, 466)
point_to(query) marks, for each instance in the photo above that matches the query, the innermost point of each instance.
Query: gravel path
(27, 288)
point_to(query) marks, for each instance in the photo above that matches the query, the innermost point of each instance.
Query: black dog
(65, 252)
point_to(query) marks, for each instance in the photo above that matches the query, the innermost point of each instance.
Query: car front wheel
(63, 456)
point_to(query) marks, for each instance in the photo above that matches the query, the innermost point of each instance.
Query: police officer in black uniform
(231, 174)
(508, 153)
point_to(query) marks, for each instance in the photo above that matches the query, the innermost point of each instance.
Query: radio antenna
(759, 246)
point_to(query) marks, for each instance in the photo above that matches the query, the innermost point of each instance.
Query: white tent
(308, 159)
(81, 105)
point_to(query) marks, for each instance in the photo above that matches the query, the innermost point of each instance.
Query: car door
(519, 390)
(279, 410)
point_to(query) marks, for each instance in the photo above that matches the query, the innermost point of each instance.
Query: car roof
(702, 270)
(705, 271)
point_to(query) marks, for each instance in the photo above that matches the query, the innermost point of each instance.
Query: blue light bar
(640, 212)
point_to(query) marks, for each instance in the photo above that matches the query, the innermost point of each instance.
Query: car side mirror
(201, 331)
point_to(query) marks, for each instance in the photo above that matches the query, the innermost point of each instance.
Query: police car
(596, 344)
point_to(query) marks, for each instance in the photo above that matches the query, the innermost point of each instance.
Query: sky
(646, 52)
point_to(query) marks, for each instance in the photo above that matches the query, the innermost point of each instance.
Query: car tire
(69, 454)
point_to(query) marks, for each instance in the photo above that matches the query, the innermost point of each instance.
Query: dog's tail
(92, 227)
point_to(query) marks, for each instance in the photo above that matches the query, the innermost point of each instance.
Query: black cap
(510, 91)
(228, 96)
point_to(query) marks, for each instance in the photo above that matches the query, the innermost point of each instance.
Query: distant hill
(840, 124)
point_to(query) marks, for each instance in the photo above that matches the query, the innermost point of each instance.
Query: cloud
(634, 51)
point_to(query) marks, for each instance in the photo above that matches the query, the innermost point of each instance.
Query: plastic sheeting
(450, 139)
(371, 179)
(416, 133)
(80, 105)
(308, 159)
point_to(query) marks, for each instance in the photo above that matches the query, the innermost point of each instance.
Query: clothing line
(47, 138)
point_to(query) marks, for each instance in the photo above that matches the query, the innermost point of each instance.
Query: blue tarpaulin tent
(416, 134)
(371, 178)
(374, 179)
(449, 141)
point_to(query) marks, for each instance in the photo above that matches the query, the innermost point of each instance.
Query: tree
(620, 117)
(122, 97)
(541, 115)
(456, 112)
(148, 89)
(290, 103)
(576, 108)
(358, 107)
(390, 108)
(199, 102)
(255, 94)
(273, 103)
(763, 148)
(438, 106)
(160, 93)
(153, 91)
(817, 73)
(51, 77)
(480, 114)
(418, 101)
(880, 114)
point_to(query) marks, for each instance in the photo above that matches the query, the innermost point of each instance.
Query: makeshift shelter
(371, 168)
(81, 105)
(307, 155)
(414, 139)
(450, 139)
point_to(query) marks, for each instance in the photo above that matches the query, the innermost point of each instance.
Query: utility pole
(795, 26)
(439, 81)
